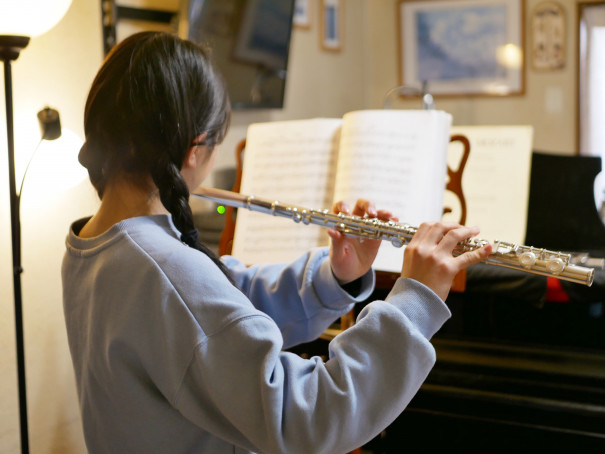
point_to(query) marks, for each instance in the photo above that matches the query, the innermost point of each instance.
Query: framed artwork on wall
(331, 24)
(548, 34)
(463, 47)
(302, 14)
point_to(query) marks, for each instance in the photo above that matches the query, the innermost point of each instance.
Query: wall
(57, 69)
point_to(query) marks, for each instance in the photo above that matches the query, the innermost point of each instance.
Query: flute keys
(301, 216)
(306, 217)
(555, 266)
(397, 242)
(527, 259)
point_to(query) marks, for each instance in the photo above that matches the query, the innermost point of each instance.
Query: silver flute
(509, 255)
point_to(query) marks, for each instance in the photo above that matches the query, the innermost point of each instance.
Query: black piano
(521, 364)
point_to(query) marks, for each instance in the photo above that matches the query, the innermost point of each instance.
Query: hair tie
(191, 238)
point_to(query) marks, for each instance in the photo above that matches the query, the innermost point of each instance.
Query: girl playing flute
(178, 351)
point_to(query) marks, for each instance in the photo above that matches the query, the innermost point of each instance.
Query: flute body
(505, 254)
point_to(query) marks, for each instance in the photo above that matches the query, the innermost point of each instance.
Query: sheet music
(293, 162)
(397, 159)
(495, 181)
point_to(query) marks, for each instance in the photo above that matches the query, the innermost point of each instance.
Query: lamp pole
(10, 47)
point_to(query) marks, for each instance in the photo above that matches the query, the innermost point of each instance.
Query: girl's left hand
(351, 258)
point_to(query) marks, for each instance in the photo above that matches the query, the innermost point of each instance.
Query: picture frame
(302, 14)
(462, 47)
(548, 36)
(331, 25)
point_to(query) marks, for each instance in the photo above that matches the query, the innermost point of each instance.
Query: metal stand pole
(10, 46)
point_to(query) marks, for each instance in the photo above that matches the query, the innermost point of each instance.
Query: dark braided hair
(154, 94)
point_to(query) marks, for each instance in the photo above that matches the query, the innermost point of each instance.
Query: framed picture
(331, 24)
(302, 14)
(548, 36)
(462, 47)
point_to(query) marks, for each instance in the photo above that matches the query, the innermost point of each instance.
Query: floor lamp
(18, 22)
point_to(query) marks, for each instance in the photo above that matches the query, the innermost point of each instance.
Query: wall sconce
(50, 124)
(19, 21)
(54, 164)
(53, 167)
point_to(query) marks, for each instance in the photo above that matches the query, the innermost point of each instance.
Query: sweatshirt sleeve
(303, 298)
(266, 400)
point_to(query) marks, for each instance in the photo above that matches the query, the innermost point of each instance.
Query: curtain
(592, 80)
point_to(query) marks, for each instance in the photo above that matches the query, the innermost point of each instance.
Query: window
(591, 83)
(592, 80)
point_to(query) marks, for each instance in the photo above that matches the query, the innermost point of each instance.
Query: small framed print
(548, 36)
(302, 14)
(331, 25)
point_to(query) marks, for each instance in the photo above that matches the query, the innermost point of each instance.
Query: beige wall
(57, 69)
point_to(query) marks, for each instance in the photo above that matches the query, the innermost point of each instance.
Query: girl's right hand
(428, 256)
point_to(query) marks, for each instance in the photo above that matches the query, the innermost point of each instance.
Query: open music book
(396, 158)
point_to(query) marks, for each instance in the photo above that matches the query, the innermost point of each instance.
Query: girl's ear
(192, 156)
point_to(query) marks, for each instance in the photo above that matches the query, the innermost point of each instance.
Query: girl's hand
(428, 257)
(351, 258)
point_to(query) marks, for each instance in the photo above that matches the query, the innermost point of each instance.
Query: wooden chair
(225, 244)
(454, 185)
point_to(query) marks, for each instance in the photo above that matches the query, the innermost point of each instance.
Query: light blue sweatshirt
(169, 357)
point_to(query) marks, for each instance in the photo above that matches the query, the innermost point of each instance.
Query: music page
(495, 180)
(293, 162)
(397, 159)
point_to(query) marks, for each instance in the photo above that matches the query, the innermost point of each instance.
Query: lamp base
(11, 46)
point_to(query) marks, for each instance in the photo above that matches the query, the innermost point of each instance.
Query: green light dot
(220, 209)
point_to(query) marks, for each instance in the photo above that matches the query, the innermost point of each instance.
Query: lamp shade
(30, 17)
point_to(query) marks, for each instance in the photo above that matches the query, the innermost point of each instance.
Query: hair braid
(174, 195)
